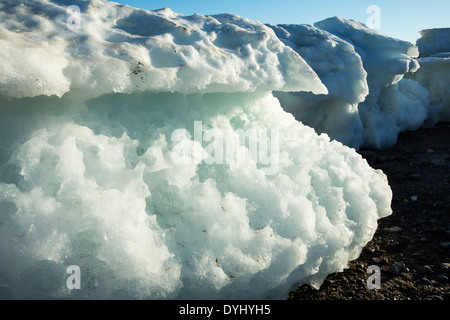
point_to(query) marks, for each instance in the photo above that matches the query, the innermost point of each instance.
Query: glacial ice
(341, 70)
(94, 186)
(94, 109)
(434, 72)
(433, 41)
(141, 50)
(369, 101)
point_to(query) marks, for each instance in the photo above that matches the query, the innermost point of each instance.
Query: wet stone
(397, 268)
(427, 270)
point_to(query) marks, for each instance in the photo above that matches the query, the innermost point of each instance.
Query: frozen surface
(140, 50)
(391, 106)
(433, 41)
(434, 72)
(99, 190)
(341, 70)
(369, 102)
(88, 170)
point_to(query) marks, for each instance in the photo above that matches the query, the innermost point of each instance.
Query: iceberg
(113, 123)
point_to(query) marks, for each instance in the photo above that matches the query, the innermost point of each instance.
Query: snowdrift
(160, 153)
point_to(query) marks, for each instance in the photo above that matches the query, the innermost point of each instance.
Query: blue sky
(398, 18)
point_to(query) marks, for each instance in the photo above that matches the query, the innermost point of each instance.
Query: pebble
(435, 297)
(349, 293)
(379, 260)
(436, 284)
(414, 198)
(394, 245)
(445, 266)
(397, 268)
(424, 282)
(442, 278)
(395, 229)
(427, 270)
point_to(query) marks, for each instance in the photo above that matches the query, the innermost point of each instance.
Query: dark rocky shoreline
(412, 246)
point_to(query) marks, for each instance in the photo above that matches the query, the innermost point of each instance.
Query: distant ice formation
(433, 41)
(99, 101)
(369, 101)
(434, 72)
(341, 70)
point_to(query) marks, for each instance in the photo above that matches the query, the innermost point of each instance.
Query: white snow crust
(140, 50)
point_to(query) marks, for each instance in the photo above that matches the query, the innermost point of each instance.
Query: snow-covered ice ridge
(140, 50)
(87, 117)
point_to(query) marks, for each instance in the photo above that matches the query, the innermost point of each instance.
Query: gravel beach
(411, 247)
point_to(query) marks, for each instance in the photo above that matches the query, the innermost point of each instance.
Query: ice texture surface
(369, 101)
(433, 41)
(434, 72)
(393, 104)
(341, 69)
(140, 50)
(87, 170)
(99, 190)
